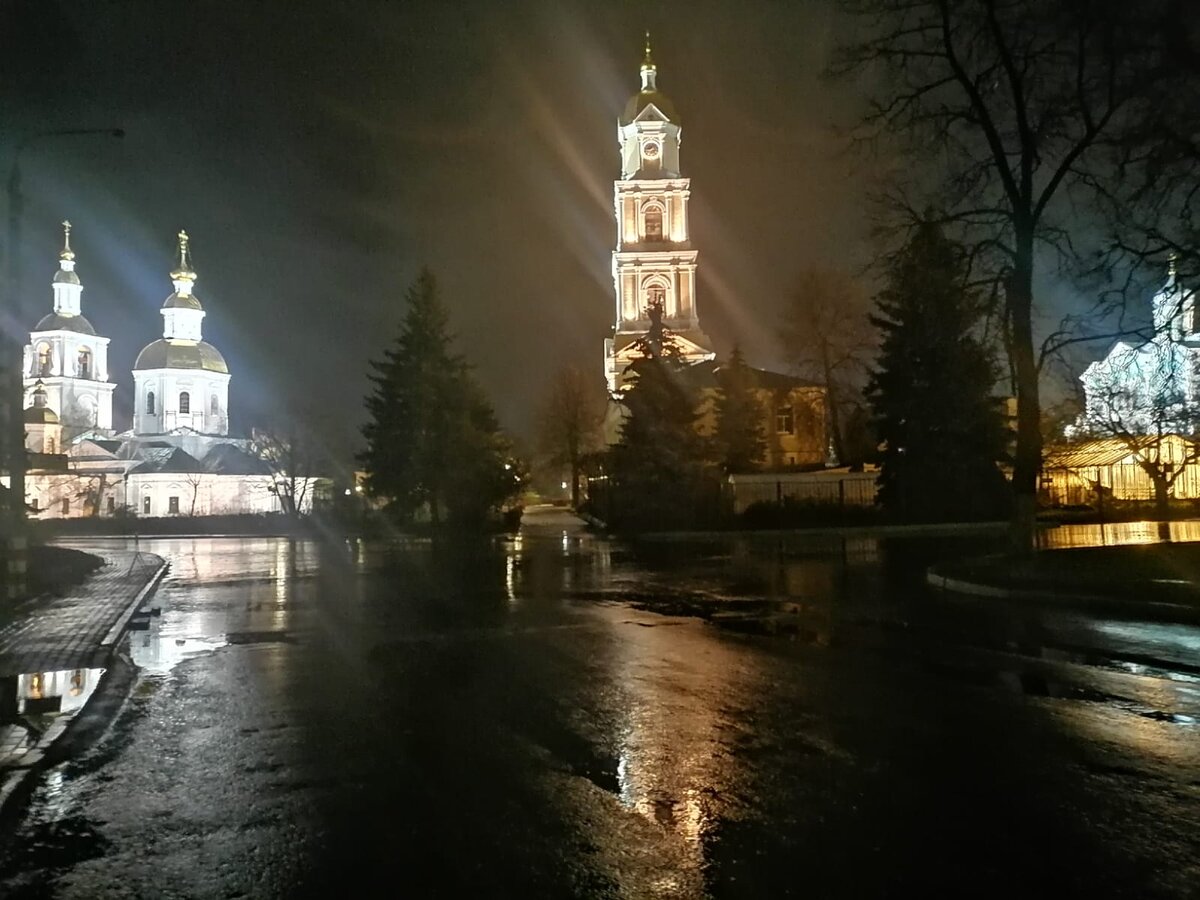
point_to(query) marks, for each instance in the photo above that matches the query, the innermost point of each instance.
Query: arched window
(150, 403)
(185, 402)
(656, 295)
(43, 361)
(654, 223)
(214, 406)
(83, 363)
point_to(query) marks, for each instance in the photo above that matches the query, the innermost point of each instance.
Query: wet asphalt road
(530, 720)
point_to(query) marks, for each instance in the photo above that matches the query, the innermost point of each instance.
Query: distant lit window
(173, 505)
(145, 506)
(784, 422)
(654, 224)
(150, 403)
(185, 402)
(66, 506)
(83, 363)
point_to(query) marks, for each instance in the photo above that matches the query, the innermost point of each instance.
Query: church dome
(62, 276)
(168, 354)
(40, 415)
(649, 94)
(642, 99)
(59, 322)
(182, 301)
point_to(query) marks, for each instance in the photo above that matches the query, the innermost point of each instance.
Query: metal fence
(857, 489)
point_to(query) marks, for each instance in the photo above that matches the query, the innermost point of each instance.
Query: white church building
(1148, 387)
(177, 458)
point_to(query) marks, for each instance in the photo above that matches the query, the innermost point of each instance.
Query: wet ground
(555, 716)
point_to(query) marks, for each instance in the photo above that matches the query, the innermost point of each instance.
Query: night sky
(319, 153)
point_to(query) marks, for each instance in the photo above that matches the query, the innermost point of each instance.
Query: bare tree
(1005, 101)
(569, 421)
(830, 340)
(291, 459)
(194, 479)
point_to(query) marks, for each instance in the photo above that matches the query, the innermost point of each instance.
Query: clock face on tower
(650, 150)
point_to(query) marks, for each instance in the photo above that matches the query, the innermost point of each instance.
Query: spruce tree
(657, 466)
(432, 437)
(932, 393)
(739, 440)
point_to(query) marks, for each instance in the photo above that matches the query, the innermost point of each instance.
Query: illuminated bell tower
(654, 261)
(67, 360)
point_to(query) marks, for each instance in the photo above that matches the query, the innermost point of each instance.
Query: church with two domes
(177, 457)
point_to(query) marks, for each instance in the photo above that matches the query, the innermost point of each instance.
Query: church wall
(73, 494)
(803, 445)
(150, 494)
(167, 385)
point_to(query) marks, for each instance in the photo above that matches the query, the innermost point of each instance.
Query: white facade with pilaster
(654, 261)
(181, 380)
(68, 358)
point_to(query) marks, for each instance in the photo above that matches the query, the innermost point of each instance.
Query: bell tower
(654, 262)
(67, 360)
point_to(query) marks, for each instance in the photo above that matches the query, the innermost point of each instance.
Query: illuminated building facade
(68, 359)
(654, 261)
(177, 458)
(181, 381)
(1152, 387)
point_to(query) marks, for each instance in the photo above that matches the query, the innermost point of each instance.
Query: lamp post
(12, 388)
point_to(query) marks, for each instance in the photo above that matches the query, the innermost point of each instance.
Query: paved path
(72, 632)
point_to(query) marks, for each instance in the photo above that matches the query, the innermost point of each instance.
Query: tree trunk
(1027, 460)
(835, 419)
(1162, 500)
(575, 468)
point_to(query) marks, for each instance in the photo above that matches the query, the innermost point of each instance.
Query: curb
(1156, 609)
(118, 630)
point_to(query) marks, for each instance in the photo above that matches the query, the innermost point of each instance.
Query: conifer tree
(941, 426)
(432, 437)
(658, 464)
(739, 439)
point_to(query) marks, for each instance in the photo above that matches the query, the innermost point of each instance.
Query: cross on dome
(67, 253)
(183, 276)
(649, 69)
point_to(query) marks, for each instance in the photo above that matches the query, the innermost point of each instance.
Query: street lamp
(12, 387)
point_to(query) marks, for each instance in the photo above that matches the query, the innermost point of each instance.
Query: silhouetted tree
(291, 457)
(432, 437)
(942, 430)
(569, 421)
(1001, 106)
(829, 339)
(657, 467)
(739, 439)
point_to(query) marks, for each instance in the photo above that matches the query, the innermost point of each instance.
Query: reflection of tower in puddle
(56, 692)
(686, 691)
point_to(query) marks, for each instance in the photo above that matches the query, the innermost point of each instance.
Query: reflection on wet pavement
(553, 714)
